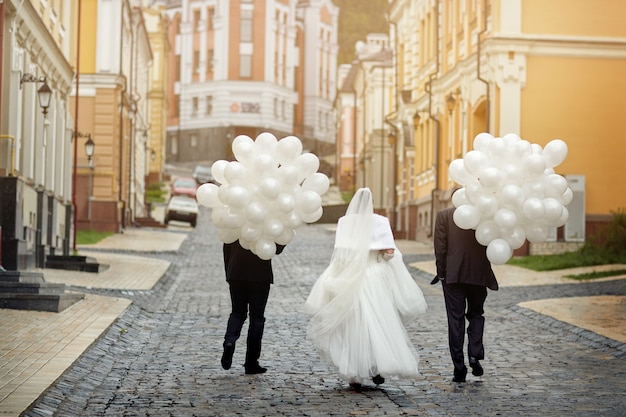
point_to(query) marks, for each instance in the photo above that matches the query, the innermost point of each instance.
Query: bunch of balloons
(265, 194)
(510, 192)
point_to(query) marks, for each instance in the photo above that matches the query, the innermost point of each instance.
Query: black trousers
(248, 297)
(465, 301)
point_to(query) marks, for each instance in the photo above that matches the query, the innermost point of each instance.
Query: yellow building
(539, 69)
(113, 73)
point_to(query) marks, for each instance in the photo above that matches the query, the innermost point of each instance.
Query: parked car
(183, 209)
(184, 186)
(203, 175)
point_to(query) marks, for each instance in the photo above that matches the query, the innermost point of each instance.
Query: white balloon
(288, 149)
(287, 175)
(482, 141)
(553, 210)
(486, 231)
(236, 173)
(307, 202)
(246, 244)
(269, 188)
(273, 227)
(317, 182)
(491, 178)
(523, 149)
(285, 203)
(499, 252)
(511, 139)
(238, 196)
(564, 198)
(243, 148)
(217, 169)
(516, 237)
(474, 161)
(234, 219)
(218, 216)
(554, 185)
(536, 232)
(512, 196)
(306, 164)
(533, 208)
(285, 237)
(250, 231)
(206, 195)
(265, 249)
(256, 212)
(563, 219)
(458, 172)
(313, 216)
(486, 203)
(292, 220)
(223, 193)
(555, 152)
(459, 197)
(533, 165)
(505, 219)
(466, 216)
(265, 143)
(263, 164)
(497, 150)
(228, 235)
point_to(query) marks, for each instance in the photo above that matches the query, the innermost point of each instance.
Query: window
(194, 106)
(196, 20)
(246, 26)
(245, 66)
(209, 104)
(193, 141)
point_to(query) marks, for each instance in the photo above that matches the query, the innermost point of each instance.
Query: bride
(360, 303)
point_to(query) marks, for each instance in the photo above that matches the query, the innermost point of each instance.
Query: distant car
(184, 186)
(182, 209)
(203, 175)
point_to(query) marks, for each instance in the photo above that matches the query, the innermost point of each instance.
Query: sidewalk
(37, 347)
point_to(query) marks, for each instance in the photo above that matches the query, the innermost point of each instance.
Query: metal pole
(74, 138)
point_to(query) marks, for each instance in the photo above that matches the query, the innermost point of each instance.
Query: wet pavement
(147, 339)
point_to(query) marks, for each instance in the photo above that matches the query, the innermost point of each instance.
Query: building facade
(246, 67)
(365, 138)
(541, 70)
(111, 105)
(36, 78)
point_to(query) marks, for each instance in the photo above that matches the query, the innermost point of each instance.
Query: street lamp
(45, 95)
(89, 147)
(450, 102)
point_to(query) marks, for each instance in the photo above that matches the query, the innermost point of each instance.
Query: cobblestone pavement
(162, 356)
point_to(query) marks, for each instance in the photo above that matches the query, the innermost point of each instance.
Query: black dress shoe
(227, 356)
(378, 380)
(459, 376)
(255, 369)
(477, 369)
(356, 386)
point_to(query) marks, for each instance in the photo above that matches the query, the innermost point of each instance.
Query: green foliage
(155, 193)
(609, 247)
(598, 274)
(89, 237)
(358, 18)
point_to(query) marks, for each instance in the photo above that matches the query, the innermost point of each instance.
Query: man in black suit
(249, 278)
(465, 272)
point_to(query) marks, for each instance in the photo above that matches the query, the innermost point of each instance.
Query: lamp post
(89, 149)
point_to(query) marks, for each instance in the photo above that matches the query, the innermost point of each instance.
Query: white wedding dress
(361, 301)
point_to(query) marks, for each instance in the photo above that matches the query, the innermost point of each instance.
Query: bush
(611, 242)
(155, 193)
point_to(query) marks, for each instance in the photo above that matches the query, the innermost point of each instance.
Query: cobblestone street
(162, 356)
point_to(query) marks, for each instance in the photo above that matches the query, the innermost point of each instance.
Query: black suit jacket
(459, 256)
(242, 265)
